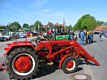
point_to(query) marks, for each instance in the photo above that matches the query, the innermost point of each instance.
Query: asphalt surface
(97, 49)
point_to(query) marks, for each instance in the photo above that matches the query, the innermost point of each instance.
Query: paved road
(98, 49)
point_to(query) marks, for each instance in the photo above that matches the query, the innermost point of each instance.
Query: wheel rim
(23, 64)
(70, 65)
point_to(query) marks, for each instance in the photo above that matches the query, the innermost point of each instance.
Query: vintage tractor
(24, 57)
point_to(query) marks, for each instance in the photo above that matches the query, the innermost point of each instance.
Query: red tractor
(24, 57)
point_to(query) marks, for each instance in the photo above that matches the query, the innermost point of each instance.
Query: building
(101, 28)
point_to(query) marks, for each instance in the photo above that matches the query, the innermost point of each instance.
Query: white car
(4, 37)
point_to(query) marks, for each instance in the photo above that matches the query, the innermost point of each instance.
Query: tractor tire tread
(14, 52)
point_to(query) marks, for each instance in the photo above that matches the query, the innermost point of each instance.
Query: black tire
(13, 56)
(72, 69)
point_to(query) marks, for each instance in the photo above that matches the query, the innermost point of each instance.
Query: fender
(61, 61)
(17, 44)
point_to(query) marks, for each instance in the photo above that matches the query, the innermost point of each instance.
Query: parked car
(97, 32)
(5, 34)
(5, 37)
(105, 34)
(22, 35)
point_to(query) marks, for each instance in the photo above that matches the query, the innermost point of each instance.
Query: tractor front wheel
(22, 63)
(69, 65)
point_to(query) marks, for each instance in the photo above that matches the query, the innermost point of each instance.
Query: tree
(85, 22)
(99, 23)
(25, 25)
(3, 26)
(88, 23)
(50, 26)
(37, 25)
(70, 27)
(78, 24)
(31, 27)
(15, 26)
(105, 23)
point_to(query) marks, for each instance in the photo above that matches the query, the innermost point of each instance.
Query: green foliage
(31, 27)
(99, 23)
(105, 23)
(70, 27)
(15, 26)
(2, 26)
(88, 23)
(43, 29)
(25, 25)
(85, 22)
(37, 25)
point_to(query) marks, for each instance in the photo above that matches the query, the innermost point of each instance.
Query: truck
(5, 35)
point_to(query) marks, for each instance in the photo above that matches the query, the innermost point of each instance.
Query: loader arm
(81, 51)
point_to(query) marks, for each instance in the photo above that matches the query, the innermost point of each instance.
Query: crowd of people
(83, 36)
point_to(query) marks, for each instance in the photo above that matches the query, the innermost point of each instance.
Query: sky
(55, 11)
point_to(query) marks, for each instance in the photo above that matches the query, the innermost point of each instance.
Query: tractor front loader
(24, 57)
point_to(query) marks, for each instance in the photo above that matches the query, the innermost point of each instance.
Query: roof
(101, 28)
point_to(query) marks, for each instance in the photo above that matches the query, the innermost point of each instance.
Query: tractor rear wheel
(22, 63)
(69, 65)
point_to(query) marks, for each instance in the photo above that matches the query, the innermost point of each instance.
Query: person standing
(49, 33)
(76, 35)
(31, 35)
(72, 35)
(86, 35)
(82, 36)
(89, 37)
(100, 36)
(45, 35)
(92, 37)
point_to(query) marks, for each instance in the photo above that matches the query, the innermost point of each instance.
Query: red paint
(17, 44)
(64, 46)
(61, 61)
(69, 64)
(23, 64)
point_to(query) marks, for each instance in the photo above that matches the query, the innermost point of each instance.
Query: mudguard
(17, 44)
(61, 61)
